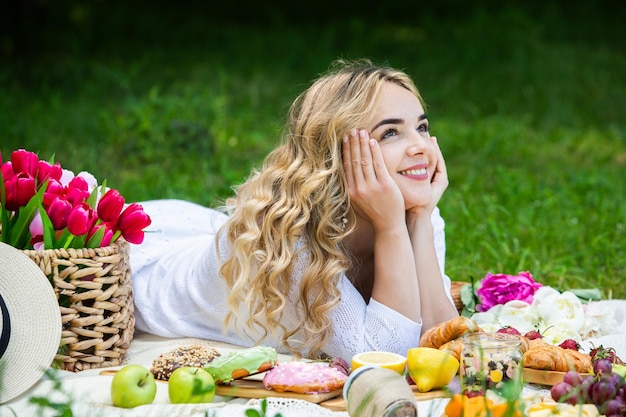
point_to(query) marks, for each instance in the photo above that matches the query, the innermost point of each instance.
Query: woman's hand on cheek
(373, 193)
(440, 177)
(438, 182)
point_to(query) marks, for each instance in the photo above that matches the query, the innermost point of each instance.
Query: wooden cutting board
(245, 388)
(339, 403)
(542, 377)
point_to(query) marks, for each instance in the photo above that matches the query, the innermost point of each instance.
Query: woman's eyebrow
(388, 122)
(396, 121)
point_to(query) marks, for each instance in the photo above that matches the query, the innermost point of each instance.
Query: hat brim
(35, 321)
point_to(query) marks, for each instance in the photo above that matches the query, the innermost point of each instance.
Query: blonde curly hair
(301, 191)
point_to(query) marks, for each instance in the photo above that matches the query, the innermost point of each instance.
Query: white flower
(488, 320)
(92, 182)
(598, 320)
(544, 292)
(68, 176)
(555, 334)
(557, 316)
(519, 315)
(557, 308)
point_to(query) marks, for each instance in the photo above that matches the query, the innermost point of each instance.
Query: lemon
(388, 360)
(431, 368)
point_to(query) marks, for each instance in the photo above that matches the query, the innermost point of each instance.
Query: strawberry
(601, 352)
(570, 344)
(533, 334)
(509, 330)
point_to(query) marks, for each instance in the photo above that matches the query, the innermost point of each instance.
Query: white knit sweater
(178, 291)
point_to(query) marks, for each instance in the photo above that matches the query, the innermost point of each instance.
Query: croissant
(453, 347)
(555, 358)
(447, 331)
(525, 343)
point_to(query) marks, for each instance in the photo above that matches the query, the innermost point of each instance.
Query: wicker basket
(94, 290)
(455, 292)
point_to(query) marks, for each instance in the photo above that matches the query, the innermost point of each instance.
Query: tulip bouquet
(43, 206)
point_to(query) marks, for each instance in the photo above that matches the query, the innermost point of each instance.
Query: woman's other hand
(373, 194)
(439, 181)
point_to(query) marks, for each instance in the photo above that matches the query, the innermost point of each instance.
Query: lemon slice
(387, 360)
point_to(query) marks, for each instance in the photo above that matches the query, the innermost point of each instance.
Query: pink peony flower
(502, 288)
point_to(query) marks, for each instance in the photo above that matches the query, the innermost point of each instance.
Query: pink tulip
(7, 171)
(59, 211)
(54, 190)
(19, 190)
(106, 238)
(131, 223)
(25, 162)
(110, 206)
(77, 190)
(80, 219)
(47, 171)
(36, 227)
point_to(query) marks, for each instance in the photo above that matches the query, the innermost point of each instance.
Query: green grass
(528, 104)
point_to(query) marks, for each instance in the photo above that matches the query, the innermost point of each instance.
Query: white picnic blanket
(89, 392)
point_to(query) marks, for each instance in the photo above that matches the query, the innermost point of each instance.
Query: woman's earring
(344, 222)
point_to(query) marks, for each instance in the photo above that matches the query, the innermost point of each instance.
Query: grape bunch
(604, 388)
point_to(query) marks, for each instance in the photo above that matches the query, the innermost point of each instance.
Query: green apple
(188, 384)
(133, 385)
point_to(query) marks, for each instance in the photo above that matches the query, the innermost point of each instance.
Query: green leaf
(93, 197)
(587, 294)
(64, 240)
(49, 234)
(79, 242)
(20, 235)
(96, 239)
(467, 294)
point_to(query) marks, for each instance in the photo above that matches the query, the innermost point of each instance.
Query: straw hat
(30, 323)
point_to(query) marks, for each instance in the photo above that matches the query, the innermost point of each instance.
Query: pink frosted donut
(304, 378)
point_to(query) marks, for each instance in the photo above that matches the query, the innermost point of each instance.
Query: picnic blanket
(89, 391)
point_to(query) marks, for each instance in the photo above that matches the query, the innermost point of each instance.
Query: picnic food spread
(538, 354)
(304, 378)
(448, 331)
(257, 372)
(542, 355)
(242, 363)
(191, 355)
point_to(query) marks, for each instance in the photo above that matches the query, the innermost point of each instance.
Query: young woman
(335, 246)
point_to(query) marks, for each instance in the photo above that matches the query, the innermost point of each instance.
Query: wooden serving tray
(339, 403)
(543, 377)
(246, 388)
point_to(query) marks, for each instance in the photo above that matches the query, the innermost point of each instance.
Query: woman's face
(400, 126)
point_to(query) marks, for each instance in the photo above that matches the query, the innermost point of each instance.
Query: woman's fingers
(367, 167)
(357, 158)
(347, 160)
(441, 171)
(380, 169)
